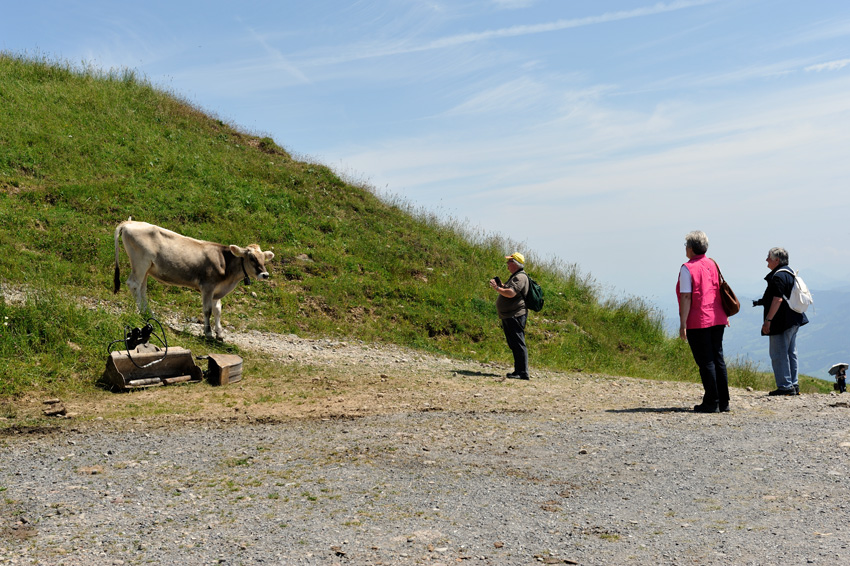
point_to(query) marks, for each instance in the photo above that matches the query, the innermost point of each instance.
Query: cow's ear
(237, 251)
(269, 256)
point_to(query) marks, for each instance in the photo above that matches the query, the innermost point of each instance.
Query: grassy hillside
(81, 150)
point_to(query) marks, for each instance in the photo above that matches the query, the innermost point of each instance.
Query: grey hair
(779, 254)
(697, 241)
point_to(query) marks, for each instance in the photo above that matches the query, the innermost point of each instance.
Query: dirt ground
(330, 379)
(337, 379)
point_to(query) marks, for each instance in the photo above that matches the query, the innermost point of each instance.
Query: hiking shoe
(783, 392)
(516, 376)
(797, 389)
(706, 408)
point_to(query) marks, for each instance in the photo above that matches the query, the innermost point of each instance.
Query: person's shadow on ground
(469, 373)
(651, 410)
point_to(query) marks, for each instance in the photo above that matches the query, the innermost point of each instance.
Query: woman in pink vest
(702, 321)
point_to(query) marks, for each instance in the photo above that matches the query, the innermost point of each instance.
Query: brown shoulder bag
(731, 304)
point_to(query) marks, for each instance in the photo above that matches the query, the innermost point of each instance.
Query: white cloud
(834, 28)
(513, 4)
(506, 97)
(403, 45)
(560, 25)
(829, 66)
(755, 153)
(278, 62)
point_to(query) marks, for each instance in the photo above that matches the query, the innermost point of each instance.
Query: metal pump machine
(142, 364)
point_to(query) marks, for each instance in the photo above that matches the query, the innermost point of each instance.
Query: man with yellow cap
(511, 308)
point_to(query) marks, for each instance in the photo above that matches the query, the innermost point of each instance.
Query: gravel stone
(762, 485)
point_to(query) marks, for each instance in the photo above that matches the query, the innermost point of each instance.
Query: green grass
(81, 150)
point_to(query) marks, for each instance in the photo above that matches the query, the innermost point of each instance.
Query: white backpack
(800, 298)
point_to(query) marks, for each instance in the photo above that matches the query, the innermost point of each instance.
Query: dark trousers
(514, 329)
(707, 347)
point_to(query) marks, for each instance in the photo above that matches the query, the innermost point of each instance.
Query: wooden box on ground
(224, 369)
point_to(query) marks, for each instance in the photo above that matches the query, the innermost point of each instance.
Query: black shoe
(797, 389)
(725, 408)
(516, 376)
(706, 408)
(783, 392)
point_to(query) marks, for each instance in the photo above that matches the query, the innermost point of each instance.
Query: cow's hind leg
(139, 287)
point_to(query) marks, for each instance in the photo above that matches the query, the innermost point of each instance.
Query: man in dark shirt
(781, 323)
(511, 308)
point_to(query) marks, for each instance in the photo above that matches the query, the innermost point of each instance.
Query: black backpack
(534, 296)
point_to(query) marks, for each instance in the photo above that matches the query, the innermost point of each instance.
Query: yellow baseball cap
(517, 257)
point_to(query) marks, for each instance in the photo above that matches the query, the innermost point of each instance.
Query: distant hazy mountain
(820, 344)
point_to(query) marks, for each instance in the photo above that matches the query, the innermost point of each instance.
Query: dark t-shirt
(779, 284)
(513, 306)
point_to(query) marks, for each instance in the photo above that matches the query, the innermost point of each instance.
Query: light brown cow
(168, 257)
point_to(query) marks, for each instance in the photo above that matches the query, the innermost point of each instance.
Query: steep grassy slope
(82, 150)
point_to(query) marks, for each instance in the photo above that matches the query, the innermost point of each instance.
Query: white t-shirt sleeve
(685, 283)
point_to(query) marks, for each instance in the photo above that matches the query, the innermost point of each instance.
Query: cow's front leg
(209, 305)
(219, 331)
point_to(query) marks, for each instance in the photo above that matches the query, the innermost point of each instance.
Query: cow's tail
(116, 279)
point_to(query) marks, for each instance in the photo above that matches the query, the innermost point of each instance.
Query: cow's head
(253, 260)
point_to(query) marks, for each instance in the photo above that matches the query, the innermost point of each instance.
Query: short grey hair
(779, 254)
(697, 241)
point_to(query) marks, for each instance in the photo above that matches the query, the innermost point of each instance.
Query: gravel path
(564, 469)
(641, 485)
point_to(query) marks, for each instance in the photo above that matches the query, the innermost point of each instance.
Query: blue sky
(597, 133)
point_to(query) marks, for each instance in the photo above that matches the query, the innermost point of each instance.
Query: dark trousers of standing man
(707, 347)
(514, 329)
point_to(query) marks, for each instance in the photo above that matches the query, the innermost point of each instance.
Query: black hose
(135, 336)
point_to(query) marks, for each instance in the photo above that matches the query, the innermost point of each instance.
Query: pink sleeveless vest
(706, 306)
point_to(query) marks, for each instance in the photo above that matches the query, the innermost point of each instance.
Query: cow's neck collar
(247, 279)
